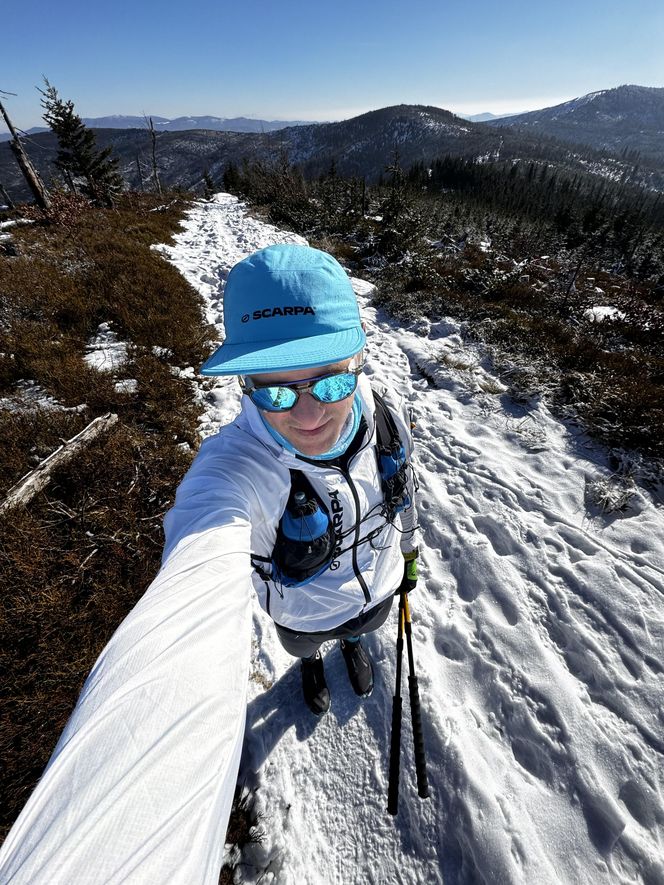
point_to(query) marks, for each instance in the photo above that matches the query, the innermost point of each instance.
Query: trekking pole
(395, 742)
(416, 715)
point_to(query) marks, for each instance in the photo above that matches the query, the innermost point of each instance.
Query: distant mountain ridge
(179, 124)
(360, 146)
(484, 117)
(627, 118)
(365, 145)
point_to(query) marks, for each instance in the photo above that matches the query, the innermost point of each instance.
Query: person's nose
(308, 411)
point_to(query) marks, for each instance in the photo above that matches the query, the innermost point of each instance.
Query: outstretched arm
(140, 785)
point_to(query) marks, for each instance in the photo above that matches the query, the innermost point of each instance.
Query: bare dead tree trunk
(155, 173)
(33, 482)
(575, 273)
(5, 196)
(29, 172)
(140, 171)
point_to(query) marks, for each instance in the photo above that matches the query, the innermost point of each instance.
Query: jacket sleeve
(140, 784)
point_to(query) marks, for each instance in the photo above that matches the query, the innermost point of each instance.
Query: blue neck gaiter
(347, 433)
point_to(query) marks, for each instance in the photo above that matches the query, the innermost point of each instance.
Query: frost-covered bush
(610, 494)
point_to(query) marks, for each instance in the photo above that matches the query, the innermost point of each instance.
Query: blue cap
(286, 307)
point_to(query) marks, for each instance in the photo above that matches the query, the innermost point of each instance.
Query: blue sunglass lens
(274, 399)
(334, 388)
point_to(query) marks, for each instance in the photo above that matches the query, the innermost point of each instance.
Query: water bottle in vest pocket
(305, 538)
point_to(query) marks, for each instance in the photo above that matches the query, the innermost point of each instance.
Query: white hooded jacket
(243, 475)
(140, 785)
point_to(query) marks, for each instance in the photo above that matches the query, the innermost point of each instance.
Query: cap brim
(284, 356)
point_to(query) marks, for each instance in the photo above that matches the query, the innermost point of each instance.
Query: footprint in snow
(642, 803)
(450, 646)
(507, 606)
(498, 536)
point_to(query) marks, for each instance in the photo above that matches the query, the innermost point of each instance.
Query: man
(294, 336)
(308, 495)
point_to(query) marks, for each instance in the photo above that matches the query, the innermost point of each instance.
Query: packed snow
(104, 351)
(538, 636)
(600, 313)
(28, 396)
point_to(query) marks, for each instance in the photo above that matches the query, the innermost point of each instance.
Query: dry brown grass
(65, 281)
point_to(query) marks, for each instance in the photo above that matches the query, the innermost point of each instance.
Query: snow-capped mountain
(628, 117)
(363, 145)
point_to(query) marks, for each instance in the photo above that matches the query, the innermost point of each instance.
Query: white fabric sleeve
(140, 785)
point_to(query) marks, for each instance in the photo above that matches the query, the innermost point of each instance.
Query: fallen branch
(33, 482)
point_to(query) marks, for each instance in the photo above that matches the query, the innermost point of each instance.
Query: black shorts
(303, 645)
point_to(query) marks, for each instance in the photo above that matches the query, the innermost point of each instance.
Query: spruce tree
(232, 178)
(92, 170)
(209, 188)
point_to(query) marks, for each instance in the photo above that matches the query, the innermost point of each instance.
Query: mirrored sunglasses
(283, 397)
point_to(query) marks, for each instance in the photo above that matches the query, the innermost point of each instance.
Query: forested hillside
(627, 121)
(360, 147)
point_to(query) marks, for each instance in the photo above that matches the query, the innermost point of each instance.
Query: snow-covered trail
(539, 640)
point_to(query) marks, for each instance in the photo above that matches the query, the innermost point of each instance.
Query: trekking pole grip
(395, 755)
(418, 739)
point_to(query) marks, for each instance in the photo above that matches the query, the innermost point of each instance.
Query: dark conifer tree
(94, 171)
(232, 178)
(209, 188)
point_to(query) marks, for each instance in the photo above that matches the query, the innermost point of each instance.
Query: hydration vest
(306, 540)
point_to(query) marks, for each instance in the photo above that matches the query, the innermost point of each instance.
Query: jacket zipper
(358, 574)
(356, 500)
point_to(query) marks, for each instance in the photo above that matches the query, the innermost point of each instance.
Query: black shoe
(314, 687)
(360, 671)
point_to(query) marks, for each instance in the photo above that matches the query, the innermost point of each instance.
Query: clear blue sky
(299, 59)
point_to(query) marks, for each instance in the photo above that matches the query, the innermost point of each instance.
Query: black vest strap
(387, 435)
